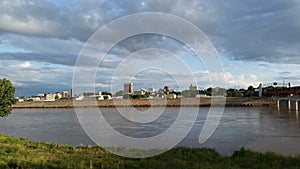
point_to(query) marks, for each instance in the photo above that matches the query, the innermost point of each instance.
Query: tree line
(249, 92)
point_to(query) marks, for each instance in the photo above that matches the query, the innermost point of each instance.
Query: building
(19, 99)
(171, 96)
(41, 96)
(151, 90)
(193, 88)
(49, 97)
(81, 97)
(141, 92)
(128, 88)
(65, 93)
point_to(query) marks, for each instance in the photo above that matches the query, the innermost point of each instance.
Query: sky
(41, 40)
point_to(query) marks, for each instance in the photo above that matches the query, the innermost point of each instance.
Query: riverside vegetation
(202, 102)
(22, 153)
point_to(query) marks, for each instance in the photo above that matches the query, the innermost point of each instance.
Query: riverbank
(21, 153)
(230, 102)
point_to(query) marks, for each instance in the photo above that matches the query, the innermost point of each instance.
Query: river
(260, 129)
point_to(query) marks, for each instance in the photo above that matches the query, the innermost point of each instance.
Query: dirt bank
(230, 102)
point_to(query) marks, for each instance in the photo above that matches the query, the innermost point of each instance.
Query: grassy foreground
(21, 153)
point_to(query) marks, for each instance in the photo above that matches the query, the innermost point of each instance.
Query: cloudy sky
(40, 41)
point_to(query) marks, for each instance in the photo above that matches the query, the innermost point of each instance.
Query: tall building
(128, 88)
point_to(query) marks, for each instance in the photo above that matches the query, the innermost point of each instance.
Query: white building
(171, 96)
(65, 93)
(49, 97)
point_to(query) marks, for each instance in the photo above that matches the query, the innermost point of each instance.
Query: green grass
(21, 153)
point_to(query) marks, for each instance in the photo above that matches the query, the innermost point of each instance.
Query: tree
(137, 96)
(218, 91)
(251, 88)
(233, 93)
(56, 97)
(127, 96)
(249, 92)
(187, 93)
(120, 93)
(106, 93)
(230, 92)
(208, 91)
(7, 98)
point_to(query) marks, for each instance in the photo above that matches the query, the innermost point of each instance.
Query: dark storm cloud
(261, 31)
(44, 19)
(140, 42)
(250, 30)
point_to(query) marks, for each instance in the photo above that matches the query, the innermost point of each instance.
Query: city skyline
(257, 42)
(130, 89)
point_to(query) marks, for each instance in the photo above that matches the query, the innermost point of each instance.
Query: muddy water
(260, 129)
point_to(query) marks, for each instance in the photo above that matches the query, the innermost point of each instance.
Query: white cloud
(234, 81)
(25, 65)
(102, 85)
(244, 81)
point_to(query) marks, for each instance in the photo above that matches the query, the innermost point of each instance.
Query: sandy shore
(230, 102)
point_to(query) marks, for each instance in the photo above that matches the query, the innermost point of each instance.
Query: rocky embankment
(228, 102)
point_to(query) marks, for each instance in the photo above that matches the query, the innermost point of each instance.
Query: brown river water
(259, 129)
